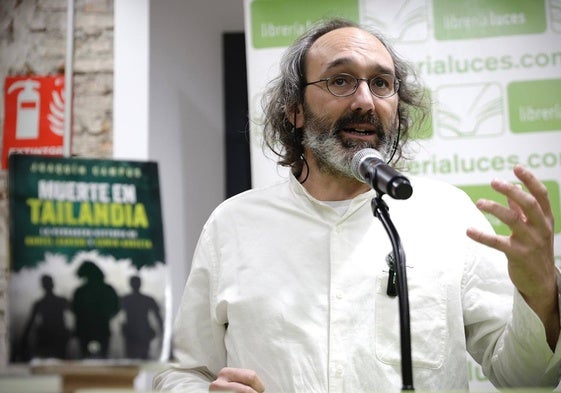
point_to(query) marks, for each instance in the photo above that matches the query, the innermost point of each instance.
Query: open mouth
(358, 131)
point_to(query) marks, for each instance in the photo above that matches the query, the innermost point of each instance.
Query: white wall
(181, 119)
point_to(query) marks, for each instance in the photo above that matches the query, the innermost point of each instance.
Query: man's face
(335, 128)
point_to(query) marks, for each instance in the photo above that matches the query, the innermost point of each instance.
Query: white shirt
(283, 284)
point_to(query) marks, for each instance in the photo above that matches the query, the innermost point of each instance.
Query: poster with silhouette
(88, 278)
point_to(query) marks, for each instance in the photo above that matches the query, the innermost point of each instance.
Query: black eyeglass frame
(396, 84)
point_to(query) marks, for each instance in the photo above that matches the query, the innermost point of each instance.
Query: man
(287, 290)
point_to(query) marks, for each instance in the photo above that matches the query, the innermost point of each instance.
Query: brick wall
(33, 41)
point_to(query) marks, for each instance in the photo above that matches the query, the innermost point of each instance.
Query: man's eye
(380, 83)
(339, 81)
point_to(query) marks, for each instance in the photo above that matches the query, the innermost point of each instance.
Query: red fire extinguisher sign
(33, 116)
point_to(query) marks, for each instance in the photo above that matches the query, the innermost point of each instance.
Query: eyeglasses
(343, 85)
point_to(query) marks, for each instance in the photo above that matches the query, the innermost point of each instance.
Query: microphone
(369, 167)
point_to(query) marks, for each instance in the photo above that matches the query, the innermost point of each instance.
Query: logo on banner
(278, 23)
(470, 110)
(460, 19)
(34, 116)
(535, 105)
(403, 20)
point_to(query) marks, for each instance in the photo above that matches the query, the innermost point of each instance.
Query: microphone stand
(397, 273)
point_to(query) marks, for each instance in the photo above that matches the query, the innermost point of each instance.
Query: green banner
(276, 23)
(67, 205)
(534, 105)
(460, 19)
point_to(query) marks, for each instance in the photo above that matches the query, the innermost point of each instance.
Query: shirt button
(339, 371)
(339, 295)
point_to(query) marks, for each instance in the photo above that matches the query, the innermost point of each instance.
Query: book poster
(87, 276)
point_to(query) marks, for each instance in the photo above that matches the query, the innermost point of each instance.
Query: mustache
(363, 118)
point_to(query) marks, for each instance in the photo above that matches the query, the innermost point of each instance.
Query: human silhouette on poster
(137, 329)
(46, 333)
(94, 304)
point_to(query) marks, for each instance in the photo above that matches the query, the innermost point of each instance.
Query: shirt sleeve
(198, 340)
(177, 379)
(503, 333)
(525, 348)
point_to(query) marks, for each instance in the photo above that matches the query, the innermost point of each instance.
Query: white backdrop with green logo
(493, 68)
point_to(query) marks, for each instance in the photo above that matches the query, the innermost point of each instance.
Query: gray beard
(334, 153)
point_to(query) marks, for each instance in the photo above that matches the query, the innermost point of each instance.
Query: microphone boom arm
(381, 211)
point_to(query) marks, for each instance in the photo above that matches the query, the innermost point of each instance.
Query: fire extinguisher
(28, 107)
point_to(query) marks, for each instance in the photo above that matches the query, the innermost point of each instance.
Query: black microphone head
(359, 158)
(369, 167)
(401, 188)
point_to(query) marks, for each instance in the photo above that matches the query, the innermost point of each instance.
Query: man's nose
(363, 99)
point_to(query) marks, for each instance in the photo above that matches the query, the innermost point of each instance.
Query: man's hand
(237, 380)
(529, 248)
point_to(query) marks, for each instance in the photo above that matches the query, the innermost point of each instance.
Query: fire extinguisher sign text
(33, 116)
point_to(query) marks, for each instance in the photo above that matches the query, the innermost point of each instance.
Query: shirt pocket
(427, 314)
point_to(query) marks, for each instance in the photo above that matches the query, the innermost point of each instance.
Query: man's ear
(296, 116)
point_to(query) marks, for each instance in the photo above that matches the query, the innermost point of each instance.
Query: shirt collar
(356, 202)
